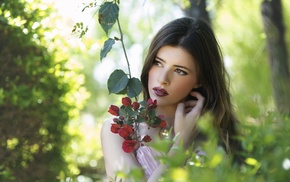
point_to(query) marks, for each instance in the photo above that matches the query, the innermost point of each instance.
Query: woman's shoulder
(115, 158)
(107, 134)
(106, 125)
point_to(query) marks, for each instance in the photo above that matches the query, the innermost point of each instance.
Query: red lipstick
(160, 91)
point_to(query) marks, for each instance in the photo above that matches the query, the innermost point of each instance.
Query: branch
(124, 49)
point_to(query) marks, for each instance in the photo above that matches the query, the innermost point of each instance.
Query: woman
(185, 73)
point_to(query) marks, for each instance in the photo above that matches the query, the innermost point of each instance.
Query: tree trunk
(278, 56)
(197, 9)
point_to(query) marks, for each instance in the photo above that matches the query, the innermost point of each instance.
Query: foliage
(40, 92)
(243, 43)
(108, 15)
(266, 156)
(118, 82)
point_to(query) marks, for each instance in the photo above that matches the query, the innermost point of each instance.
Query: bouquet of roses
(130, 115)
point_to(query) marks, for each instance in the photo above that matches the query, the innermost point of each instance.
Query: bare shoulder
(109, 139)
(106, 127)
(115, 158)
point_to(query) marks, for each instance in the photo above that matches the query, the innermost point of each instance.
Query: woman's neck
(168, 113)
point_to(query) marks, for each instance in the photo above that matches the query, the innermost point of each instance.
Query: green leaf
(107, 47)
(141, 119)
(143, 103)
(151, 113)
(134, 87)
(128, 111)
(108, 15)
(117, 82)
(123, 111)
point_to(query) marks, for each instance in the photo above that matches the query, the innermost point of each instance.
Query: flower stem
(123, 46)
(125, 53)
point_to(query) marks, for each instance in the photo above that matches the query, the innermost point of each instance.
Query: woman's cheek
(183, 90)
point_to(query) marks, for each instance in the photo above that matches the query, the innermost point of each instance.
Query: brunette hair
(198, 38)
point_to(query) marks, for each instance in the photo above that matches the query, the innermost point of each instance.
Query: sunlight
(286, 164)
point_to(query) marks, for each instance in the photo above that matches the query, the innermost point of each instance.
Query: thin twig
(123, 46)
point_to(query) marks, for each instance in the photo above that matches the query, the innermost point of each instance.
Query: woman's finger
(188, 109)
(190, 103)
(200, 100)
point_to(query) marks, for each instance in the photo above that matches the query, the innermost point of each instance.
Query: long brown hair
(198, 38)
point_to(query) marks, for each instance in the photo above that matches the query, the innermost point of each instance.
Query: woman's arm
(184, 126)
(115, 158)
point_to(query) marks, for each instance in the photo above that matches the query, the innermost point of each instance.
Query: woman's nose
(164, 77)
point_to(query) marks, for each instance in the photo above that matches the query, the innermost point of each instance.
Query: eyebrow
(179, 66)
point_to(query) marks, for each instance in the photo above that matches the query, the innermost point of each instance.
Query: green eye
(180, 72)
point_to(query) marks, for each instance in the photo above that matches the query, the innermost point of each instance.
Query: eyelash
(157, 63)
(178, 71)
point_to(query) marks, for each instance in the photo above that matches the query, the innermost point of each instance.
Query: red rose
(115, 128)
(126, 101)
(135, 105)
(146, 138)
(162, 124)
(151, 104)
(126, 131)
(129, 145)
(114, 110)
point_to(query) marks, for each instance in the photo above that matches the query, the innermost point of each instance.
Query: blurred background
(53, 92)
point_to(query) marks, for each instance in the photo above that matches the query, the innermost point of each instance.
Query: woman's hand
(186, 116)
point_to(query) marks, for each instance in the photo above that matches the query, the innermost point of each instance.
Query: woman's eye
(180, 72)
(157, 63)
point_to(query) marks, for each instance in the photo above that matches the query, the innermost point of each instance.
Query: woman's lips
(160, 91)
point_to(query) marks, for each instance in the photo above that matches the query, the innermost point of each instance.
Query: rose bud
(146, 138)
(114, 110)
(115, 128)
(135, 105)
(126, 101)
(151, 104)
(116, 120)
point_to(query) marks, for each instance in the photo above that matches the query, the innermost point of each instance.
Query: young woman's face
(172, 76)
